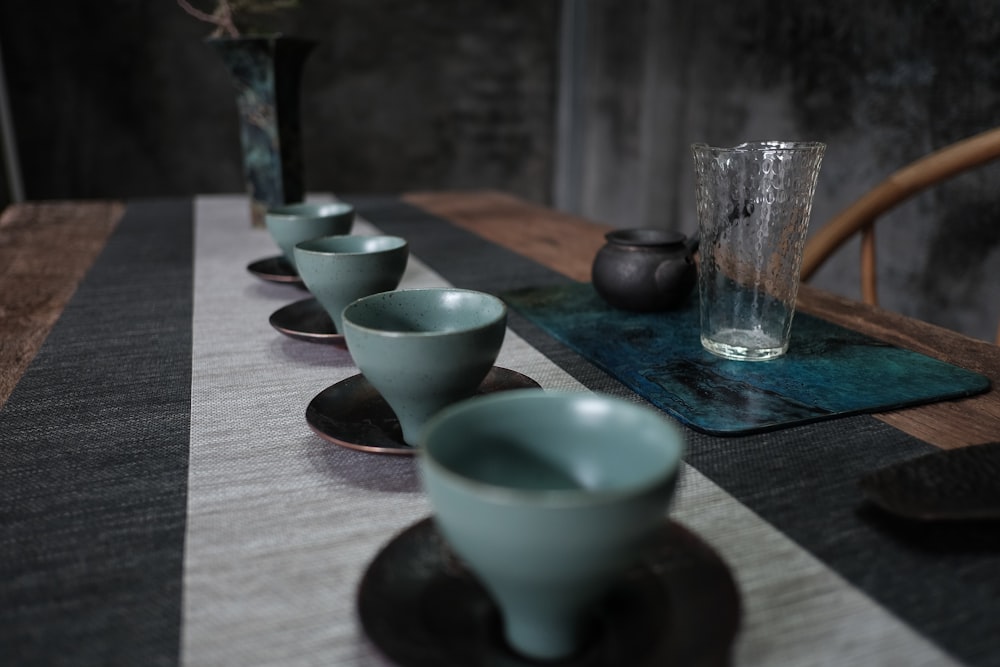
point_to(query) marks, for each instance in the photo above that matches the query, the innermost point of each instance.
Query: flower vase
(267, 74)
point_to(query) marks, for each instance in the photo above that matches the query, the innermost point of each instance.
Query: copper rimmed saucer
(678, 606)
(353, 414)
(307, 320)
(275, 270)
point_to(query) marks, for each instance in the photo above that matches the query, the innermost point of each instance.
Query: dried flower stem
(221, 18)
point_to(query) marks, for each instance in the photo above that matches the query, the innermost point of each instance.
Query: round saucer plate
(678, 606)
(307, 320)
(275, 270)
(947, 485)
(352, 414)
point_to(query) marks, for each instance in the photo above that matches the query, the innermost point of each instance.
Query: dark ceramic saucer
(678, 606)
(953, 485)
(275, 270)
(352, 414)
(307, 320)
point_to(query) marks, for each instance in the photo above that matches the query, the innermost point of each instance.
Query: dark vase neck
(285, 53)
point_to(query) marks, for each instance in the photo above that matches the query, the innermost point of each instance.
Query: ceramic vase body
(267, 74)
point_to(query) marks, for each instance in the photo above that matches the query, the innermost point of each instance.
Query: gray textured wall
(881, 82)
(121, 99)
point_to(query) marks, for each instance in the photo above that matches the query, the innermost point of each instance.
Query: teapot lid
(646, 236)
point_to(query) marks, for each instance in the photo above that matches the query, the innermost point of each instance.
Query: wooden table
(229, 534)
(46, 247)
(568, 244)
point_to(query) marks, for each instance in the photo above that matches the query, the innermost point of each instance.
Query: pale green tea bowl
(424, 349)
(548, 498)
(340, 269)
(290, 224)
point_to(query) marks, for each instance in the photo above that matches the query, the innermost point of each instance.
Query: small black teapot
(645, 269)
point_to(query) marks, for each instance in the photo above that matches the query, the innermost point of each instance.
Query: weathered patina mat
(829, 371)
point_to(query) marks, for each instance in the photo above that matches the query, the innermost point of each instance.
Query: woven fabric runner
(93, 460)
(164, 500)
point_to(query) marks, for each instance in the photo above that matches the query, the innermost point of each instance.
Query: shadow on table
(372, 472)
(276, 292)
(935, 537)
(310, 354)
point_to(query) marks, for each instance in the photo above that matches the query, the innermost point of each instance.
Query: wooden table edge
(49, 245)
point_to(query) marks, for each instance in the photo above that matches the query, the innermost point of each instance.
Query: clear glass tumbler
(753, 204)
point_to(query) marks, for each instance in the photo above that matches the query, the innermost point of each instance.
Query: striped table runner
(164, 501)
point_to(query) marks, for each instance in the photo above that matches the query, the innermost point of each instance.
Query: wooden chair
(915, 177)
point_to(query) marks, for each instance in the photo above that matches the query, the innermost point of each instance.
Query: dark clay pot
(645, 269)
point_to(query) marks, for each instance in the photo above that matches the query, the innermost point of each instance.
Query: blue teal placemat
(828, 371)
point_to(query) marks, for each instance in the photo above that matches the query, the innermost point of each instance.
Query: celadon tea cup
(549, 498)
(340, 269)
(293, 223)
(424, 349)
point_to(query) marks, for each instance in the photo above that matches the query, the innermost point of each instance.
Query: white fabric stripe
(281, 525)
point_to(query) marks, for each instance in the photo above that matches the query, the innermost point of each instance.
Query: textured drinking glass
(753, 205)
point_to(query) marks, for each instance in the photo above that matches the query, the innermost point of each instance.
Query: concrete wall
(880, 82)
(121, 99)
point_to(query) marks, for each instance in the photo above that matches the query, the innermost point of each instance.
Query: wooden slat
(568, 244)
(869, 266)
(561, 242)
(45, 250)
(947, 424)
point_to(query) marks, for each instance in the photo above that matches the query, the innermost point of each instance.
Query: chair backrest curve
(929, 170)
(915, 177)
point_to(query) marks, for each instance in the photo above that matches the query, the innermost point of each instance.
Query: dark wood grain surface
(45, 250)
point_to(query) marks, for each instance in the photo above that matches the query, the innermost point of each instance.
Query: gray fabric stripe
(281, 525)
(93, 460)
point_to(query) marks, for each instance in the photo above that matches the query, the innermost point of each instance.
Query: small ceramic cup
(549, 497)
(339, 269)
(293, 223)
(424, 349)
